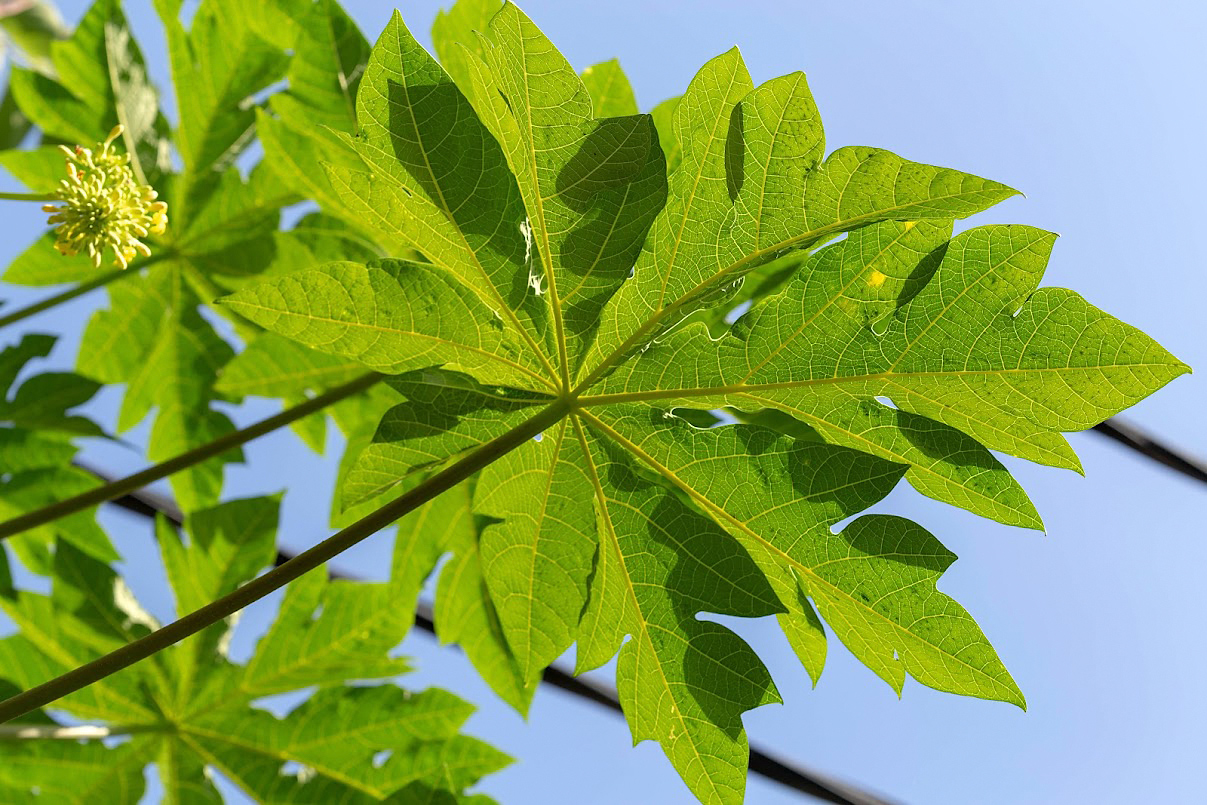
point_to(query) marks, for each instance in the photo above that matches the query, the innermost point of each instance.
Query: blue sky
(1095, 111)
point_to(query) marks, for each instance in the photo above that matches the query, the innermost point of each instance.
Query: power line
(1131, 436)
(149, 504)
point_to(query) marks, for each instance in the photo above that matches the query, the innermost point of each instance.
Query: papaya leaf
(465, 612)
(585, 259)
(106, 85)
(735, 340)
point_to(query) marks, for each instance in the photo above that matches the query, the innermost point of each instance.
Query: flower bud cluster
(102, 206)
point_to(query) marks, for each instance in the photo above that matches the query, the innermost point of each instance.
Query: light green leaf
(13, 124)
(14, 357)
(392, 316)
(538, 558)
(322, 92)
(228, 544)
(39, 169)
(43, 401)
(591, 187)
(36, 771)
(348, 640)
(41, 265)
(274, 366)
(22, 449)
(154, 339)
(750, 169)
(955, 353)
(336, 734)
(29, 490)
(780, 498)
(189, 708)
(610, 91)
(106, 84)
(455, 37)
(87, 614)
(216, 67)
(357, 417)
(450, 198)
(446, 415)
(328, 62)
(465, 613)
(683, 682)
(664, 121)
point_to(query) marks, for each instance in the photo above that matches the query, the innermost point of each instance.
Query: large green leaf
(591, 187)
(602, 256)
(450, 198)
(683, 681)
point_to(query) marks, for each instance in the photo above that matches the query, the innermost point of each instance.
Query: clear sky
(1096, 111)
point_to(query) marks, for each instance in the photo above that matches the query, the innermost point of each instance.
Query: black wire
(1141, 442)
(150, 504)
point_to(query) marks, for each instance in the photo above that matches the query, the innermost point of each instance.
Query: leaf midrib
(751, 260)
(610, 530)
(721, 391)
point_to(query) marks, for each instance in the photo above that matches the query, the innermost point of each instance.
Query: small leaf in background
(192, 706)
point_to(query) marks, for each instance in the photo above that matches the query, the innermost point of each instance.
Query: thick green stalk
(84, 287)
(58, 299)
(120, 487)
(58, 732)
(278, 577)
(27, 196)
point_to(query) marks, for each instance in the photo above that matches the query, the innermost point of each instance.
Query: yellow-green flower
(103, 206)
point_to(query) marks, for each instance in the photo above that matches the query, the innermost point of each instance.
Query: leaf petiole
(281, 575)
(27, 196)
(60, 298)
(81, 289)
(123, 486)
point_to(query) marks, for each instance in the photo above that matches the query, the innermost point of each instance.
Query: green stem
(60, 732)
(123, 486)
(278, 577)
(58, 299)
(27, 196)
(84, 287)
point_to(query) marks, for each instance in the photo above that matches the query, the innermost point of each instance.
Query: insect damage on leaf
(625, 522)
